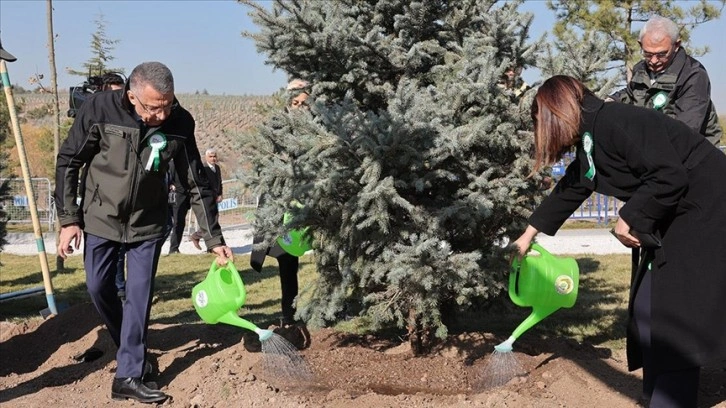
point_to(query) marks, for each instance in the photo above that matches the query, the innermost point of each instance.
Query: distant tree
(411, 163)
(17, 89)
(616, 20)
(101, 52)
(587, 57)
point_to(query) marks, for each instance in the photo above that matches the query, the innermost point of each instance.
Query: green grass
(598, 317)
(176, 276)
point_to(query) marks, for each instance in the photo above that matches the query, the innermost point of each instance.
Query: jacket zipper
(132, 190)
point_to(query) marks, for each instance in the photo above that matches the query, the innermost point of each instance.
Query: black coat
(672, 181)
(215, 178)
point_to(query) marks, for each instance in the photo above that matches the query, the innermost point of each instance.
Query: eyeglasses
(155, 110)
(658, 55)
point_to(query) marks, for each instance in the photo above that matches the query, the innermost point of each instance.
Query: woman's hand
(622, 233)
(525, 241)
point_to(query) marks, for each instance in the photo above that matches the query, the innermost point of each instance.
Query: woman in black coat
(673, 183)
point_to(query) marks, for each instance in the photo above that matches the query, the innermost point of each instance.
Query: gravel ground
(567, 241)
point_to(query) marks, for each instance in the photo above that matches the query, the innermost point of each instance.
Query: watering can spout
(537, 315)
(233, 319)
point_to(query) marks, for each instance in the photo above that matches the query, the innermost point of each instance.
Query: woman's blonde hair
(556, 113)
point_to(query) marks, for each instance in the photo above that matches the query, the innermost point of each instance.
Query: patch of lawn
(598, 317)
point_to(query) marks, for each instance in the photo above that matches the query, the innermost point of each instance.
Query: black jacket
(687, 88)
(215, 178)
(120, 199)
(641, 157)
(672, 182)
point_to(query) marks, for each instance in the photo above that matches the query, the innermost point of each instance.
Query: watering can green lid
(294, 242)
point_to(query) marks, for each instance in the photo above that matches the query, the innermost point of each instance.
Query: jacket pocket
(94, 197)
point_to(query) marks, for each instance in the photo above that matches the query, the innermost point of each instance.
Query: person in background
(513, 83)
(298, 94)
(123, 202)
(112, 81)
(671, 81)
(671, 181)
(214, 175)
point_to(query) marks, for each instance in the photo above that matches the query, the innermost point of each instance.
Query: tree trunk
(626, 49)
(56, 111)
(421, 339)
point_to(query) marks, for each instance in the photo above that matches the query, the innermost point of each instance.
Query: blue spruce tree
(409, 169)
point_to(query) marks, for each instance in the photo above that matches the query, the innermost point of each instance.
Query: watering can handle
(236, 278)
(516, 265)
(537, 247)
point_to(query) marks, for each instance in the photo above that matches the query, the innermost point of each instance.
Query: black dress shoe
(134, 388)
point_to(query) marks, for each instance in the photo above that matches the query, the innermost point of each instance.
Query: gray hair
(211, 150)
(154, 74)
(658, 27)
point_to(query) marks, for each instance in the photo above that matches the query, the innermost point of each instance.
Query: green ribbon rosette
(157, 143)
(660, 100)
(587, 144)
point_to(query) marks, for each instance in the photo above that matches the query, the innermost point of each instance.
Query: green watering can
(218, 297)
(294, 242)
(545, 283)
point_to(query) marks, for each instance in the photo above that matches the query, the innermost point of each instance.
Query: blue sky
(202, 44)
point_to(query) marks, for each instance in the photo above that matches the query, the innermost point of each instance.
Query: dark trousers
(664, 389)
(179, 215)
(100, 261)
(288, 265)
(288, 282)
(121, 263)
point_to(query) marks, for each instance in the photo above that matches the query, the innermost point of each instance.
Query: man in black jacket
(669, 80)
(126, 140)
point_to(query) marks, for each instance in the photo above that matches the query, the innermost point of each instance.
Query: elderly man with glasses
(126, 140)
(671, 81)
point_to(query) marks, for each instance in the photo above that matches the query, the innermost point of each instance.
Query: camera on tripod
(93, 84)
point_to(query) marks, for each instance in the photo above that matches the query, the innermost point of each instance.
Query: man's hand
(69, 234)
(224, 254)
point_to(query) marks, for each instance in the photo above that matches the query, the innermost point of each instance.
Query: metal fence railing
(238, 206)
(17, 206)
(236, 209)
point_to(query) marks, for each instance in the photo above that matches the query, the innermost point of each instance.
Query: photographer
(112, 81)
(109, 81)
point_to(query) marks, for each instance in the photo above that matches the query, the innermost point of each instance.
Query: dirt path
(208, 366)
